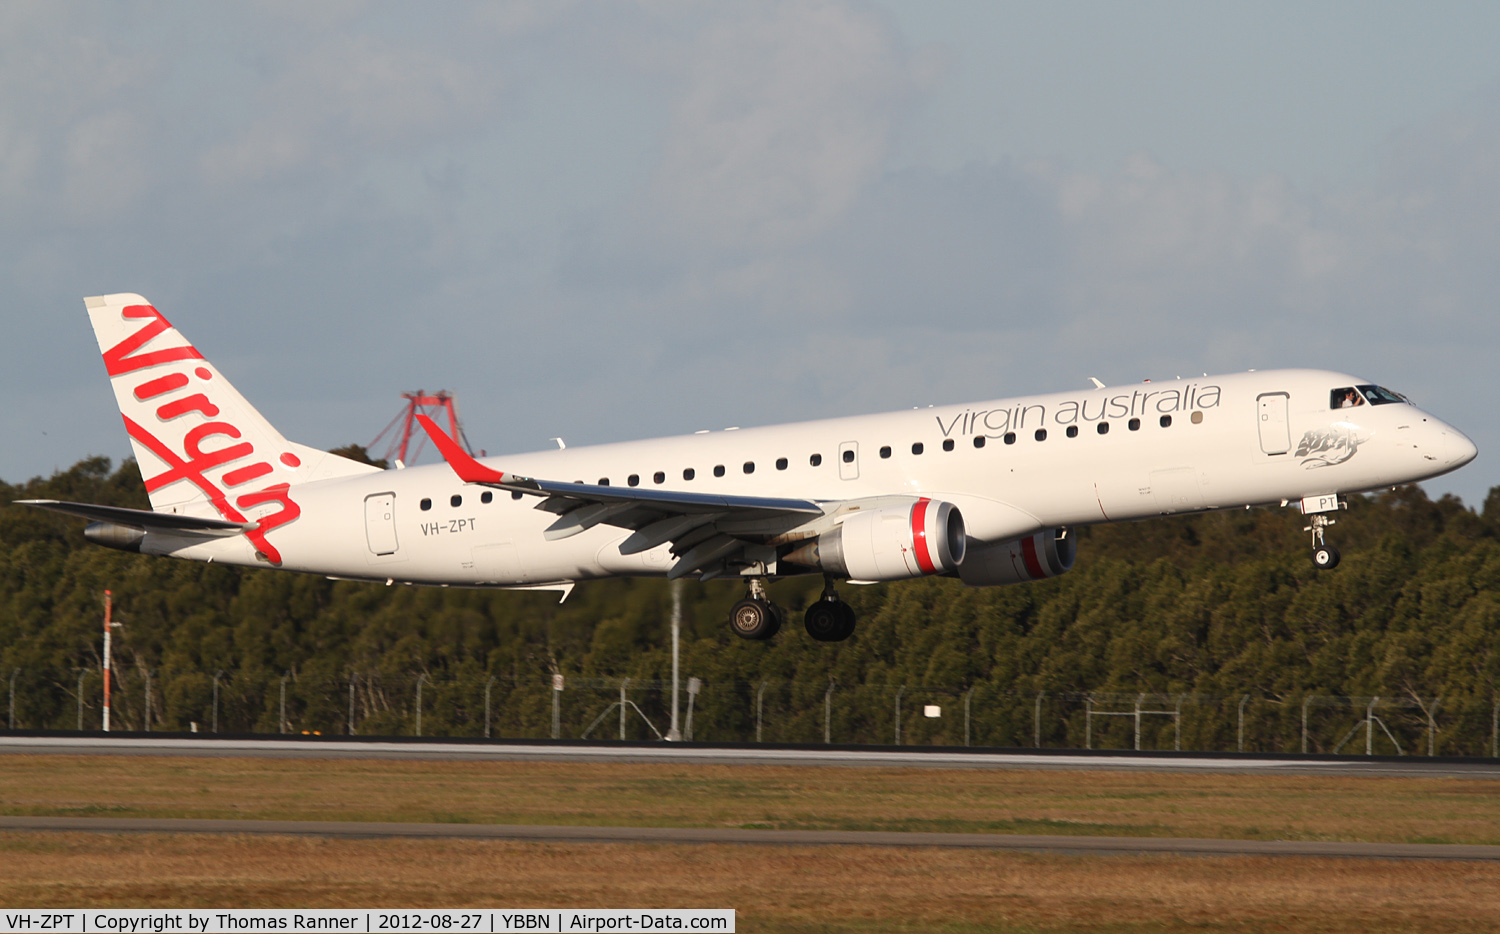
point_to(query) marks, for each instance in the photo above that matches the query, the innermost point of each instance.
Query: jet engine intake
(1035, 557)
(887, 543)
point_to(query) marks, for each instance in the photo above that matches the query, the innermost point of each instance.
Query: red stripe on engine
(1033, 563)
(919, 536)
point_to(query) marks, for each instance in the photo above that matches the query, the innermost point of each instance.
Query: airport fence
(984, 714)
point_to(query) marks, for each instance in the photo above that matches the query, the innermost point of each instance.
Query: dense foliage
(1221, 607)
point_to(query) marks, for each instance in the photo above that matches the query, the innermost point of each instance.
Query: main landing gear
(828, 619)
(1325, 557)
(756, 617)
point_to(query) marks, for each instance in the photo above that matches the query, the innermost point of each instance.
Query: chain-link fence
(428, 704)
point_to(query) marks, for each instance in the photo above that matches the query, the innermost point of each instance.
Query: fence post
(695, 685)
(1370, 726)
(420, 678)
(1139, 699)
(966, 715)
(557, 689)
(147, 721)
(1036, 721)
(1495, 731)
(1177, 720)
(81, 673)
(217, 675)
(622, 708)
(759, 691)
(281, 722)
(898, 713)
(487, 685)
(1432, 725)
(1243, 699)
(1305, 701)
(12, 719)
(828, 713)
(349, 727)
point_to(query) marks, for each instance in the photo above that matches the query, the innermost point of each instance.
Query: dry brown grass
(835, 889)
(1286, 807)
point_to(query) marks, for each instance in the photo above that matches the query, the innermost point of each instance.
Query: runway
(511, 750)
(1030, 843)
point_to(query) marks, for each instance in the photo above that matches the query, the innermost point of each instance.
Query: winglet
(468, 469)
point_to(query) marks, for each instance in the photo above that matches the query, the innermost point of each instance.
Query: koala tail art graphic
(1327, 447)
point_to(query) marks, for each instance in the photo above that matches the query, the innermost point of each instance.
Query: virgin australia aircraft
(987, 493)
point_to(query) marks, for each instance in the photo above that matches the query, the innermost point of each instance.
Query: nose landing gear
(1325, 557)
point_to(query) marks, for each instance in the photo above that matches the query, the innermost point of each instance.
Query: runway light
(932, 711)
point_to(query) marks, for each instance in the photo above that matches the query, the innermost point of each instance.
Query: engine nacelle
(888, 543)
(110, 535)
(1036, 557)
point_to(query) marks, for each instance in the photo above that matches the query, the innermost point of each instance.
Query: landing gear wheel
(828, 620)
(1325, 558)
(756, 620)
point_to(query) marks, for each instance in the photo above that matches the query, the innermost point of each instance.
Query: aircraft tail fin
(197, 440)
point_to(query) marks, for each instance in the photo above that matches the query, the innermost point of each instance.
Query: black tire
(824, 622)
(754, 619)
(1325, 558)
(846, 614)
(778, 619)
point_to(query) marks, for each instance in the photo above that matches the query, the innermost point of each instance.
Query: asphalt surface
(198, 745)
(696, 835)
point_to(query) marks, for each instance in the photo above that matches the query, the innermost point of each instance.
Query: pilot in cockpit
(1348, 399)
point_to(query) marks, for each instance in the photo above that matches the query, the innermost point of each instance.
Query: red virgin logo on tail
(213, 445)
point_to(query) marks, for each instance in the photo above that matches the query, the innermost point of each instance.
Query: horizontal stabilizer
(142, 519)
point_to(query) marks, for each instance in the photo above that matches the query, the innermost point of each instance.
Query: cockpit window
(1379, 395)
(1345, 397)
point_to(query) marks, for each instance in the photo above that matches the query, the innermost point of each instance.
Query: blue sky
(611, 220)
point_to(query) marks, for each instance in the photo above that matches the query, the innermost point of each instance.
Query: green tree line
(1224, 608)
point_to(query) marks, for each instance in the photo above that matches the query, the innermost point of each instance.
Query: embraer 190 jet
(987, 493)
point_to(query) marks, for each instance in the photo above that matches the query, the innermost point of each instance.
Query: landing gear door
(1275, 434)
(380, 523)
(849, 460)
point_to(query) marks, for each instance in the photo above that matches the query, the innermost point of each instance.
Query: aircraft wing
(706, 530)
(142, 519)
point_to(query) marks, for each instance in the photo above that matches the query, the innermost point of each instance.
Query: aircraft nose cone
(1458, 450)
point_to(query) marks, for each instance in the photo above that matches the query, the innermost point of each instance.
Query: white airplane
(986, 493)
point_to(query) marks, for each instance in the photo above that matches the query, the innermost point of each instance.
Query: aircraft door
(380, 523)
(849, 460)
(1275, 435)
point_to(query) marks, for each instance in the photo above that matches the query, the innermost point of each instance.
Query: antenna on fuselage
(1097, 384)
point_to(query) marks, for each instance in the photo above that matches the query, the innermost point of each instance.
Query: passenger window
(604, 481)
(979, 441)
(486, 497)
(1103, 428)
(1041, 434)
(916, 448)
(1166, 421)
(634, 479)
(1345, 398)
(947, 444)
(719, 470)
(1197, 418)
(849, 456)
(816, 460)
(1134, 424)
(515, 494)
(659, 477)
(780, 463)
(749, 466)
(689, 474)
(455, 500)
(426, 504)
(1072, 431)
(885, 451)
(1010, 437)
